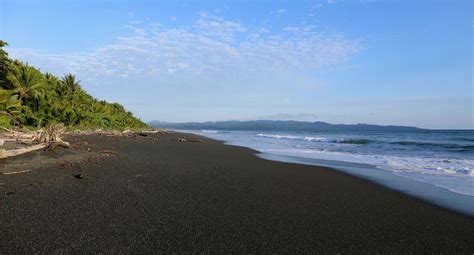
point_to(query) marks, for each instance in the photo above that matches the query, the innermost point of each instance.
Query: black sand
(142, 195)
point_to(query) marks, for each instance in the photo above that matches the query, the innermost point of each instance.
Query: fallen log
(51, 146)
(8, 130)
(16, 172)
(2, 141)
(47, 139)
(50, 134)
(10, 153)
(18, 135)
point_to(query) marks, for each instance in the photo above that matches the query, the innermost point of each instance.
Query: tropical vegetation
(30, 98)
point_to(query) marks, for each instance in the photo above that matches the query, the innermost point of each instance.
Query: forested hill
(274, 125)
(30, 98)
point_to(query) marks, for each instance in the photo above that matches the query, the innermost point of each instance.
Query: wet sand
(154, 194)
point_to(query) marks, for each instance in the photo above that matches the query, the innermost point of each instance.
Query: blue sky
(340, 61)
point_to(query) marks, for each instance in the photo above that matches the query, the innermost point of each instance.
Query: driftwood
(50, 134)
(16, 172)
(11, 153)
(2, 141)
(47, 139)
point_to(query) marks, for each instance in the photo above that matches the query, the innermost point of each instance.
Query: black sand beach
(154, 194)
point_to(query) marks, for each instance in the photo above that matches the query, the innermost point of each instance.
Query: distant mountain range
(278, 125)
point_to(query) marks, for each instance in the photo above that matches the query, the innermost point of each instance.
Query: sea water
(434, 165)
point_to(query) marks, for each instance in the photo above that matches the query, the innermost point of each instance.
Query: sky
(360, 61)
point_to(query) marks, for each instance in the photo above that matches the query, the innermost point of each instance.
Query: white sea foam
(210, 131)
(316, 139)
(295, 137)
(279, 136)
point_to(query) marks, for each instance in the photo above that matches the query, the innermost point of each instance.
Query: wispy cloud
(211, 47)
(217, 27)
(281, 11)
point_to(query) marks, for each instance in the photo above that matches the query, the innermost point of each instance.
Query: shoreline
(425, 191)
(157, 194)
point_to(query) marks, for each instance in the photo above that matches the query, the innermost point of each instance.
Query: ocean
(434, 165)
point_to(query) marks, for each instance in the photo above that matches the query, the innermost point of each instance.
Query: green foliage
(4, 62)
(33, 99)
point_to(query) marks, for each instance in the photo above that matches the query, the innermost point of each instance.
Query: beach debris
(185, 139)
(17, 172)
(16, 152)
(158, 131)
(66, 164)
(50, 134)
(52, 146)
(47, 139)
(78, 144)
(128, 133)
(109, 152)
(9, 193)
(2, 141)
(79, 176)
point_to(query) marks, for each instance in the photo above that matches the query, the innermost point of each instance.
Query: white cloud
(299, 29)
(212, 48)
(217, 27)
(278, 12)
(131, 14)
(137, 30)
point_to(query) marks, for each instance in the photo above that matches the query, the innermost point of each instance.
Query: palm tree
(31, 98)
(4, 63)
(70, 82)
(4, 96)
(28, 84)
